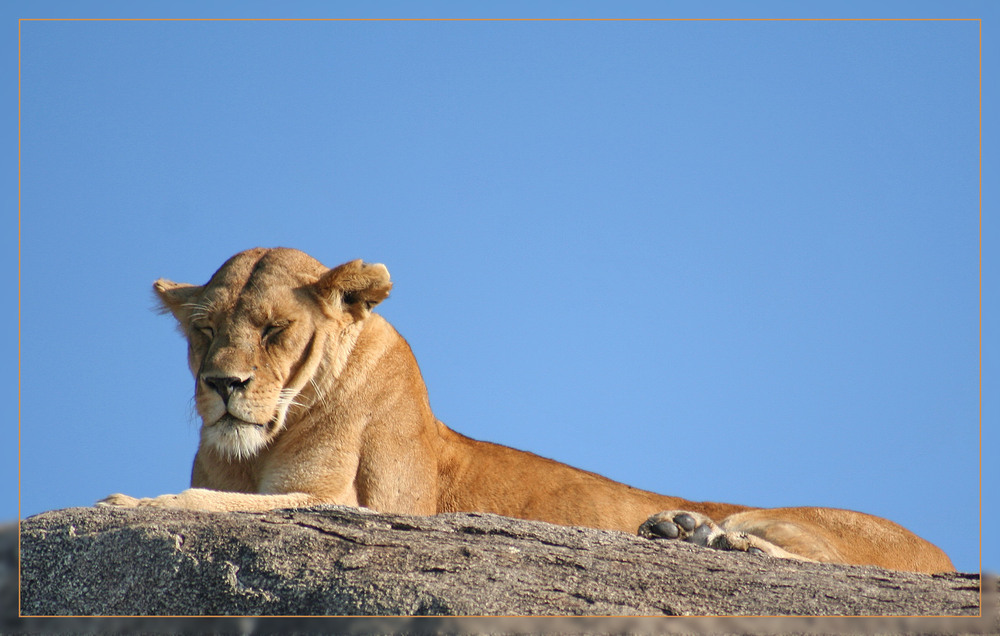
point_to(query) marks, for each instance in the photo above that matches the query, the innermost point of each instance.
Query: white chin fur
(235, 440)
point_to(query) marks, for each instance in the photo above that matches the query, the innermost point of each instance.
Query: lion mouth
(236, 439)
(233, 421)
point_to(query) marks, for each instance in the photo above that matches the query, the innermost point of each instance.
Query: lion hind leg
(694, 527)
(798, 536)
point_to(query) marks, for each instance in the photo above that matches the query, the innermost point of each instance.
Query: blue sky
(735, 261)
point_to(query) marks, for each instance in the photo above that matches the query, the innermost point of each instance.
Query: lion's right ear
(354, 287)
(176, 298)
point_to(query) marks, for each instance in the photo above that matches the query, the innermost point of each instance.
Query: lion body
(307, 397)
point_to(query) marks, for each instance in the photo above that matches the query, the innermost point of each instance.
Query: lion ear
(176, 298)
(354, 287)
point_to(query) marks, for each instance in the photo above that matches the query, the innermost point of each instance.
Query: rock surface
(345, 561)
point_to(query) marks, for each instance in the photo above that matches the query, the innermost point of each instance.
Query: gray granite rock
(345, 561)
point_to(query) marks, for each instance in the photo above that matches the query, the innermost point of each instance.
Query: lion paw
(120, 500)
(680, 525)
(124, 501)
(696, 528)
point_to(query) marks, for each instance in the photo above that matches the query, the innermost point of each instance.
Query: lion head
(263, 327)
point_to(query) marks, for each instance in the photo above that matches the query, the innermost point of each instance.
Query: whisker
(320, 396)
(286, 397)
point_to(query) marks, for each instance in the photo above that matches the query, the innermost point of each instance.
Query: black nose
(225, 386)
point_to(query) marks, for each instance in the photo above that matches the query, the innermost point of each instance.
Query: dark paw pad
(700, 535)
(665, 529)
(685, 521)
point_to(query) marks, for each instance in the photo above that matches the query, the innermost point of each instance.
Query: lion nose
(225, 386)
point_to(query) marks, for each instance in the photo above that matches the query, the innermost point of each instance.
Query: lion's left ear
(355, 287)
(176, 298)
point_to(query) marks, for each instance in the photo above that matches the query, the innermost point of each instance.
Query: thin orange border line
(19, 318)
(19, 518)
(541, 617)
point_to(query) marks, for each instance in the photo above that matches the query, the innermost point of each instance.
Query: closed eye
(206, 331)
(274, 329)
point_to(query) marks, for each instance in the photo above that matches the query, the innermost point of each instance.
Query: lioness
(307, 397)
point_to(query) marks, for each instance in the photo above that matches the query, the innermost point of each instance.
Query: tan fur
(324, 404)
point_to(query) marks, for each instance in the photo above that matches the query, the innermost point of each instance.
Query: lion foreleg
(214, 501)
